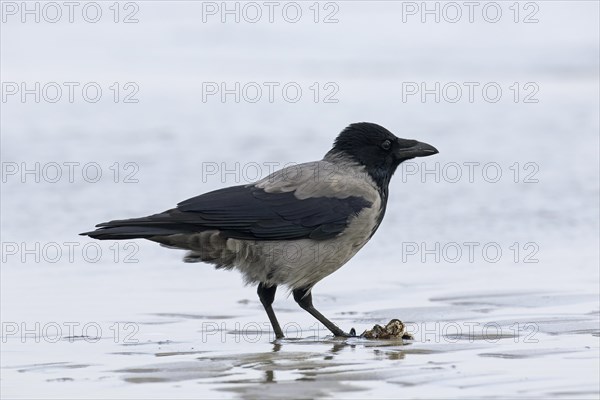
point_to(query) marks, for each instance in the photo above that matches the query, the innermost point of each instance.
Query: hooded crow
(292, 228)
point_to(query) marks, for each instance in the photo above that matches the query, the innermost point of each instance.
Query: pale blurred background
(369, 56)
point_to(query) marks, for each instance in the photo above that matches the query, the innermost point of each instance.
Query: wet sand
(493, 344)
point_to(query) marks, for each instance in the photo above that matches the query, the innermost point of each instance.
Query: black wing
(244, 212)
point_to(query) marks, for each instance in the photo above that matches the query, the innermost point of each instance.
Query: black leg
(267, 296)
(304, 299)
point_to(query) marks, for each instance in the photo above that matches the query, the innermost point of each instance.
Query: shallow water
(134, 321)
(481, 344)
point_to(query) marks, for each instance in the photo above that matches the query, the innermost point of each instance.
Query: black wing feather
(244, 212)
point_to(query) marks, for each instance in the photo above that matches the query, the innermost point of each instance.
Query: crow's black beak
(418, 150)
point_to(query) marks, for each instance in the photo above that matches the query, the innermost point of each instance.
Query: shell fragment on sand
(395, 329)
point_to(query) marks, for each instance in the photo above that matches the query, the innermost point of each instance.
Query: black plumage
(243, 212)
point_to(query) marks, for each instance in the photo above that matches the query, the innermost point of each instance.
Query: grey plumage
(301, 262)
(292, 228)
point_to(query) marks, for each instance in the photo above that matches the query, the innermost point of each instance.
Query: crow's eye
(386, 145)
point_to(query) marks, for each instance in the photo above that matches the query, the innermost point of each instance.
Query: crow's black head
(378, 149)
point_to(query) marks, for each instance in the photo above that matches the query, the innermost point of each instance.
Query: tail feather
(128, 232)
(139, 228)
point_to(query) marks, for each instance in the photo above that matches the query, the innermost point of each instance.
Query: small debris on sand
(395, 329)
